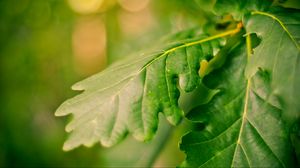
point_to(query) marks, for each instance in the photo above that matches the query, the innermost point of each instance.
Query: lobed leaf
(278, 54)
(243, 122)
(127, 96)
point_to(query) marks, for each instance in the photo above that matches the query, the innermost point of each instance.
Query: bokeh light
(133, 5)
(133, 24)
(85, 6)
(89, 45)
(91, 6)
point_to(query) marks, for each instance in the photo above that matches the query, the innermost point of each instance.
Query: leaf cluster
(242, 84)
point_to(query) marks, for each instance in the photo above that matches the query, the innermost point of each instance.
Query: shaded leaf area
(127, 96)
(238, 8)
(243, 126)
(295, 138)
(278, 54)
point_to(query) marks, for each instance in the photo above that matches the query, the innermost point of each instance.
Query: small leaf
(127, 96)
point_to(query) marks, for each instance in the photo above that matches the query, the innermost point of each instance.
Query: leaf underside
(127, 96)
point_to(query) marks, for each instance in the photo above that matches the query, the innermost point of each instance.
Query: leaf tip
(67, 147)
(77, 86)
(60, 111)
(107, 144)
(138, 136)
(69, 128)
(57, 114)
(144, 137)
(175, 119)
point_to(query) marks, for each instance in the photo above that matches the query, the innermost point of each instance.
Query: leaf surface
(243, 122)
(278, 54)
(127, 96)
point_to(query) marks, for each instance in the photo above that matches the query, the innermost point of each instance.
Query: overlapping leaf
(127, 96)
(279, 54)
(243, 122)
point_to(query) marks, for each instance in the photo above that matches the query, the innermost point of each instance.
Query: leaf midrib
(166, 53)
(130, 78)
(244, 119)
(245, 110)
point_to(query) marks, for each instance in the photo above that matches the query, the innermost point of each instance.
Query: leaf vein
(281, 24)
(167, 81)
(217, 136)
(270, 149)
(247, 158)
(203, 165)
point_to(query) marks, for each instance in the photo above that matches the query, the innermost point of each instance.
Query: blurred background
(48, 45)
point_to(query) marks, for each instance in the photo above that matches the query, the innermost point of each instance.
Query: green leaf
(278, 54)
(243, 125)
(295, 139)
(238, 8)
(127, 96)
